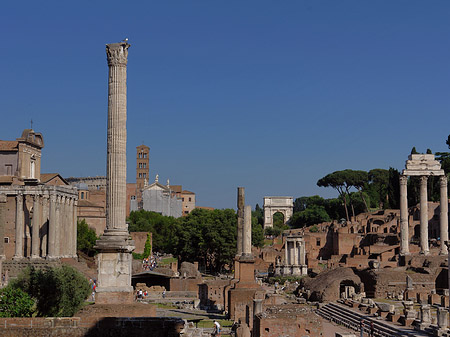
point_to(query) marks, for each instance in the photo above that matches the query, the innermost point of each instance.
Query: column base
(114, 297)
(35, 257)
(425, 252)
(16, 258)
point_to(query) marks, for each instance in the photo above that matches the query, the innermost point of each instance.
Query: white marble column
(404, 229)
(303, 253)
(424, 249)
(58, 226)
(19, 227)
(286, 253)
(44, 221)
(295, 253)
(247, 232)
(35, 240)
(444, 216)
(51, 251)
(74, 228)
(116, 166)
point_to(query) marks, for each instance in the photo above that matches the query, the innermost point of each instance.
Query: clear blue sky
(269, 95)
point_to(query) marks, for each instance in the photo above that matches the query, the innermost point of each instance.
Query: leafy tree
(310, 216)
(58, 291)
(86, 238)
(278, 219)
(379, 179)
(414, 151)
(258, 213)
(393, 188)
(15, 303)
(163, 228)
(429, 151)
(208, 237)
(257, 234)
(336, 181)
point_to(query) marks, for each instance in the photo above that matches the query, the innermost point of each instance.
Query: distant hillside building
(161, 199)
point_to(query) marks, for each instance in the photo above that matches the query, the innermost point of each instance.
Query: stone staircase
(343, 316)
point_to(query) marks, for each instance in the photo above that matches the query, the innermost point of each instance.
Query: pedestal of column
(424, 248)
(404, 229)
(443, 220)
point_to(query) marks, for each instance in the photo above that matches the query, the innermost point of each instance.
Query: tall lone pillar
(240, 228)
(444, 216)
(404, 229)
(19, 227)
(114, 258)
(35, 228)
(247, 232)
(423, 216)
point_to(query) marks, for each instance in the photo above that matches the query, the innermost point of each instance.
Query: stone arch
(272, 205)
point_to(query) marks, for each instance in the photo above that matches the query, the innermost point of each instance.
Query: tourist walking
(372, 329)
(216, 331)
(361, 327)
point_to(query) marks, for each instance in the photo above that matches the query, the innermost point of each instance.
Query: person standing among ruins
(361, 327)
(216, 331)
(372, 329)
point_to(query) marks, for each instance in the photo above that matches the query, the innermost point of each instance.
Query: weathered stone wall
(74, 327)
(287, 320)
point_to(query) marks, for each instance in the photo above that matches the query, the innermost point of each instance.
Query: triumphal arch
(272, 205)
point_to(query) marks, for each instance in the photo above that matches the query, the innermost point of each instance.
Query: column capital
(443, 181)
(403, 180)
(117, 54)
(423, 179)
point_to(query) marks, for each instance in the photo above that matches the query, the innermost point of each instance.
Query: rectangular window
(145, 155)
(6, 240)
(190, 199)
(140, 155)
(8, 169)
(140, 175)
(145, 165)
(145, 175)
(318, 242)
(182, 199)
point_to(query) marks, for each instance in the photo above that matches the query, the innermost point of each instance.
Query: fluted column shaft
(247, 231)
(444, 215)
(117, 54)
(35, 227)
(424, 249)
(58, 226)
(19, 226)
(52, 227)
(295, 253)
(74, 228)
(404, 229)
(286, 253)
(45, 216)
(303, 253)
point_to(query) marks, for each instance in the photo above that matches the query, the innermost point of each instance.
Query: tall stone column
(444, 216)
(35, 227)
(295, 253)
(19, 227)
(58, 226)
(286, 253)
(114, 258)
(44, 222)
(424, 249)
(3, 210)
(247, 232)
(74, 228)
(51, 253)
(404, 229)
(240, 215)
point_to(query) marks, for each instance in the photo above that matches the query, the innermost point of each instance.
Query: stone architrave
(115, 247)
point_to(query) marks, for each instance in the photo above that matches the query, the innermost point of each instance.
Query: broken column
(247, 232)
(115, 247)
(442, 318)
(425, 316)
(240, 227)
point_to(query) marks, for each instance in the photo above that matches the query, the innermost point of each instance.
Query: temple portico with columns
(423, 166)
(294, 257)
(41, 222)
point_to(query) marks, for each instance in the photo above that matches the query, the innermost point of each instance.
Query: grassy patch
(165, 305)
(167, 260)
(206, 323)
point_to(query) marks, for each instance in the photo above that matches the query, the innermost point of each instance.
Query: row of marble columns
(53, 226)
(294, 258)
(404, 226)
